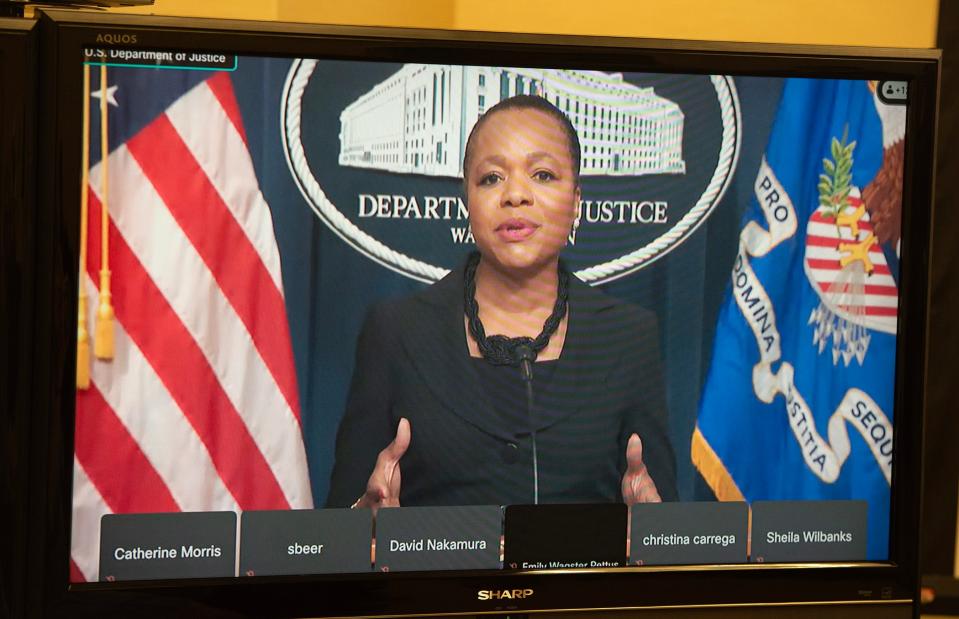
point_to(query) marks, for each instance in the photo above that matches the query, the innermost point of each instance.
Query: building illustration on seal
(417, 120)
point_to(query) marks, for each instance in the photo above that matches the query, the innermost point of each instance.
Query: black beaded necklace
(499, 349)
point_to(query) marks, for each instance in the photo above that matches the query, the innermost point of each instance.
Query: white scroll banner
(824, 458)
(779, 212)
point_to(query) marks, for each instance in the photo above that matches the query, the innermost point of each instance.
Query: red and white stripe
(877, 305)
(198, 410)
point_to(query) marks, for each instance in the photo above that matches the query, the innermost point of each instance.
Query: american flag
(198, 409)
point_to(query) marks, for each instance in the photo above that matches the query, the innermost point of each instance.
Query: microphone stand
(526, 357)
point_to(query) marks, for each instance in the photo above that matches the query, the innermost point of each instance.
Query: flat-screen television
(395, 322)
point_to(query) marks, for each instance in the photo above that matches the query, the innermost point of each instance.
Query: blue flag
(798, 401)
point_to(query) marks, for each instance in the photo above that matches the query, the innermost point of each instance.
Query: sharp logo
(503, 594)
(115, 39)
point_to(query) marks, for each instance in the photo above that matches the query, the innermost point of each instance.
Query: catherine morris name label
(174, 545)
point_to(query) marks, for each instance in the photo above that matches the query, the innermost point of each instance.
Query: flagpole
(103, 342)
(83, 337)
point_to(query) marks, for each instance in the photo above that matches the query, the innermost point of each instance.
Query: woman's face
(521, 190)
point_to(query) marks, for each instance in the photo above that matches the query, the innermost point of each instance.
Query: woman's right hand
(383, 487)
(638, 484)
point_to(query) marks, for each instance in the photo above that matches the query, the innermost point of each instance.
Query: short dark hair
(529, 102)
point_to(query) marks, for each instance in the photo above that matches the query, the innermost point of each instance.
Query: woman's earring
(571, 239)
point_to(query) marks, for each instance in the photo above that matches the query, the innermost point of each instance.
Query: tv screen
(379, 309)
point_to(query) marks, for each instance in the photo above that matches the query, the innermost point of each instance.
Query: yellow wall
(894, 23)
(886, 23)
(407, 13)
(226, 9)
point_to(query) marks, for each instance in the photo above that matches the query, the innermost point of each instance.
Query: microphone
(525, 355)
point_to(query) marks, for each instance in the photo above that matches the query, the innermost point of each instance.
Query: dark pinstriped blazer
(412, 361)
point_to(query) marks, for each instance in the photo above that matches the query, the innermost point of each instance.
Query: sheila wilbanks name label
(808, 537)
(789, 531)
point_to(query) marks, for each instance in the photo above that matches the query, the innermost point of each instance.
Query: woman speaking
(509, 381)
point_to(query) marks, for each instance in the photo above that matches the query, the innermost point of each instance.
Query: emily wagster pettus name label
(305, 541)
(438, 538)
(565, 565)
(571, 535)
(176, 545)
(380, 163)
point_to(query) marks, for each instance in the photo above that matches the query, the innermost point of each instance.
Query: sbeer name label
(305, 541)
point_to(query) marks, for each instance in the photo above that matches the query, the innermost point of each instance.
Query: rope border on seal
(290, 120)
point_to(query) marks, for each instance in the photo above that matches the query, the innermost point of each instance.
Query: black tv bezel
(18, 141)
(64, 34)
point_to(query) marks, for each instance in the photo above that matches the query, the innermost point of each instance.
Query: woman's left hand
(638, 484)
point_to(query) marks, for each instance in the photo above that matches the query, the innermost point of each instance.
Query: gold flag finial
(103, 339)
(83, 338)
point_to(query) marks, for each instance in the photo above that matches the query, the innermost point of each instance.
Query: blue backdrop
(329, 285)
